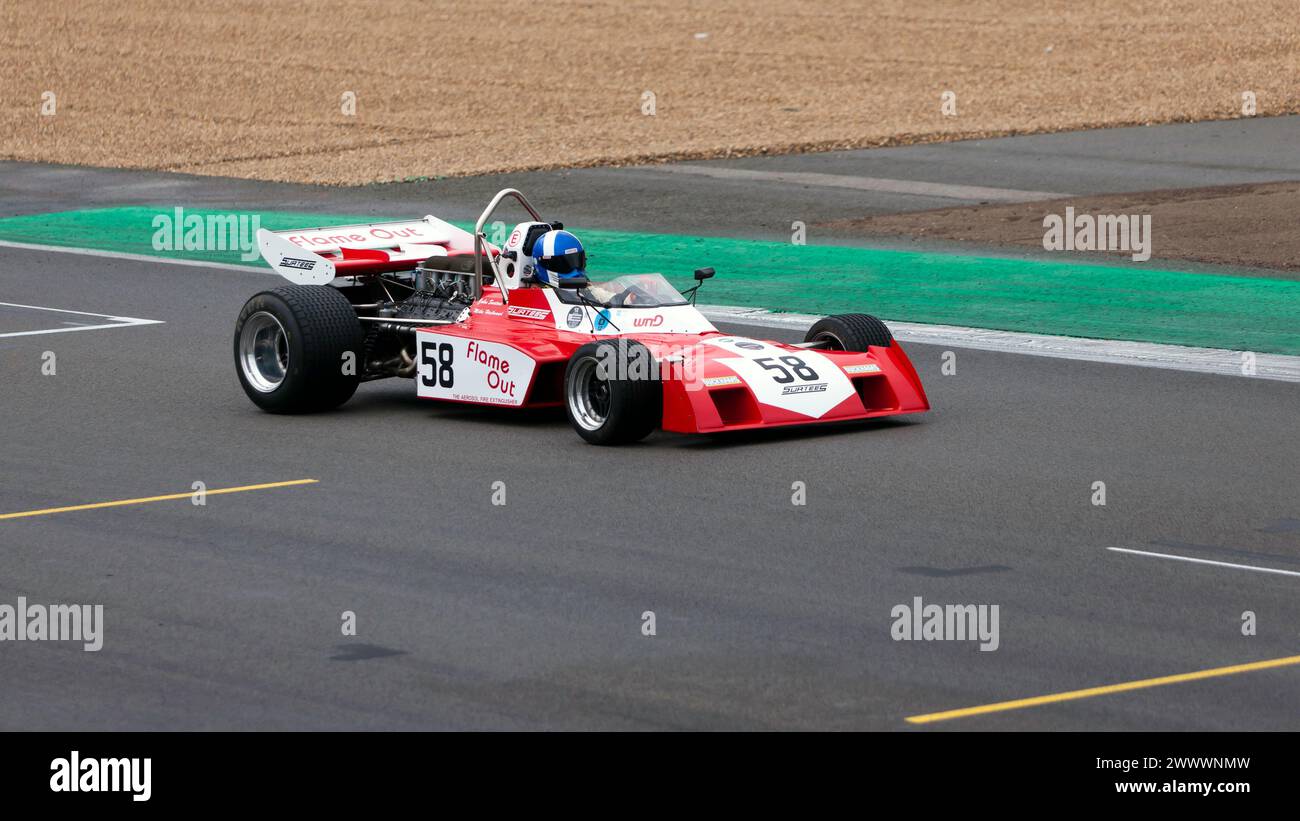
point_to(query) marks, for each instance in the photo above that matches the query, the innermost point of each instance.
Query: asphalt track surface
(528, 615)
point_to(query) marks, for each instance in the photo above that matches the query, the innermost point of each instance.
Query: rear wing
(315, 256)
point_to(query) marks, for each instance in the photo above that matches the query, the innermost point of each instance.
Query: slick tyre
(298, 349)
(611, 392)
(850, 332)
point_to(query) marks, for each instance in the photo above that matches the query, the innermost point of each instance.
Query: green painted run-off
(1068, 298)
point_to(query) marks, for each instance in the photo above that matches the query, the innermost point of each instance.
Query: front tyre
(612, 395)
(298, 349)
(850, 332)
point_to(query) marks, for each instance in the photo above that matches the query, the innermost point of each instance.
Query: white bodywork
(511, 272)
(674, 319)
(471, 370)
(803, 381)
(307, 256)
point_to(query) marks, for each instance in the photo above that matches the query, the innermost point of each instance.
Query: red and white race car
(468, 322)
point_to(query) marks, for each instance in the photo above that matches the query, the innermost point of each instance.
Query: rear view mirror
(702, 274)
(576, 283)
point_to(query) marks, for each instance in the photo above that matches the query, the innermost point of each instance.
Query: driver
(558, 255)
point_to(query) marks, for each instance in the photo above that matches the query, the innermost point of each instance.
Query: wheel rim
(588, 395)
(837, 344)
(263, 351)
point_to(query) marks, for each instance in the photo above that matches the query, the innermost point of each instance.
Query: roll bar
(480, 241)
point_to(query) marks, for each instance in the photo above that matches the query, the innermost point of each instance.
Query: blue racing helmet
(558, 255)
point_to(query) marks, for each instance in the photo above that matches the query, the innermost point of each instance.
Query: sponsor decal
(870, 368)
(487, 311)
(798, 380)
(301, 264)
(575, 317)
(648, 321)
(528, 313)
(602, 320)
(333, 239)
(307, 239)
(717, 381)
(498, 369)
(472, 370)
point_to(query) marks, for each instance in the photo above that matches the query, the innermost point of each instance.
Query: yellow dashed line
(119, 503)
(1108, 689)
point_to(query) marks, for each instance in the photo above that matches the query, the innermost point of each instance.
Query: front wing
(711, 382)
(742, 384)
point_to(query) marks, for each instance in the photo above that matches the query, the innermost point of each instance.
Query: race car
(525, 326)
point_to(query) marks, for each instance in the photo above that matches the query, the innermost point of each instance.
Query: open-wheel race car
(524, 326)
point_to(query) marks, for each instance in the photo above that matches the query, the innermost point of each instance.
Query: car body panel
(514, 355)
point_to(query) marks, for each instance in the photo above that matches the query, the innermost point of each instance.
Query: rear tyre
(611, 393)
(298, 349)
(850, 332)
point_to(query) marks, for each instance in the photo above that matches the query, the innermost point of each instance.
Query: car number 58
(437, 357)
(790, 367)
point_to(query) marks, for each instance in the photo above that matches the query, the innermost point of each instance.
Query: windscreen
(627, 291)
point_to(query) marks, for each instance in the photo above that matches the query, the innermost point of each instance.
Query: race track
(529, 615)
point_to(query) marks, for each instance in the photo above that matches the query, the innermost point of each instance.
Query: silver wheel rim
(588, 395)
(263, 351)
(835, 340)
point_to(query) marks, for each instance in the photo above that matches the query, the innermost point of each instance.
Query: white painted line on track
(924, 189)
(92, 252)
(1116, 352)
(117, 321)
(1205, 561)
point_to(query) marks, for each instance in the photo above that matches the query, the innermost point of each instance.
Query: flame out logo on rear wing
(315, 256)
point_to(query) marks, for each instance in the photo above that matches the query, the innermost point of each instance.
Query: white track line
(1116, 352)
(1142, 354)
(118, 321)
(1205, 561)
(91, 252)
(916, 187)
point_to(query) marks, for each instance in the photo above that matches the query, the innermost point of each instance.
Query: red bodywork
(890, 388)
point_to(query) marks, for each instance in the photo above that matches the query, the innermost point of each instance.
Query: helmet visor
(566, 263)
